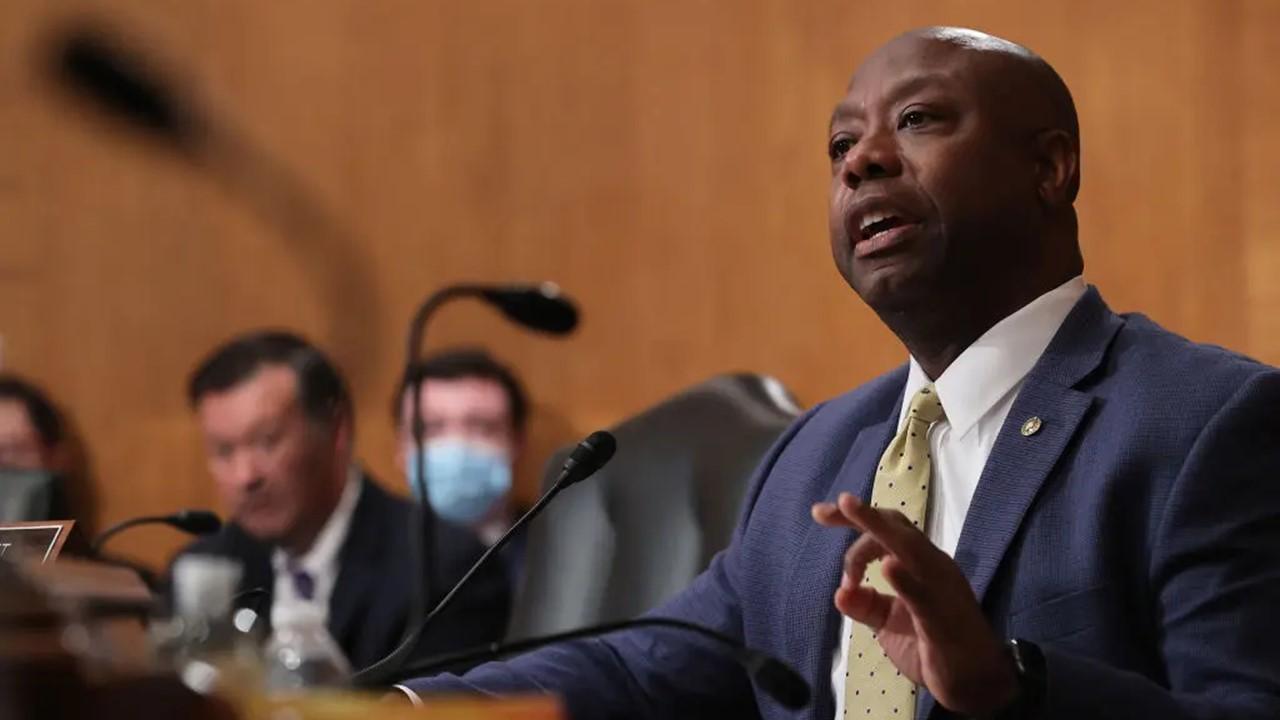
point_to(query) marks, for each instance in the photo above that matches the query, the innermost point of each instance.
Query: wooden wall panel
(663, 161)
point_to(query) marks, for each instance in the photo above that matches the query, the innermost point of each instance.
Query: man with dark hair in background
(474, 411)
(308, 525)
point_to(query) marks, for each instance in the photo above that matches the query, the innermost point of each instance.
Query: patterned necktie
(303, 584)
(873, 687)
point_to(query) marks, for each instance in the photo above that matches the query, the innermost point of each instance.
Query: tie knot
(303, 582)
(926, 406)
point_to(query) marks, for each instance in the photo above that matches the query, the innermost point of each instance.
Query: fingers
(917, 593)
(911, 565)
(855, 597)
(829, 515)
(892, 529)
(838, 513)
(860, 599)
(910, 562)
(860, 554)
(866, 550)
(864, 605)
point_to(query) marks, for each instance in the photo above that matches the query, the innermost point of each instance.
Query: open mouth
(876, 223)
(882, 231)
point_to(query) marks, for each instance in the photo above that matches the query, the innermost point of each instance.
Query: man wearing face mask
(473, 409)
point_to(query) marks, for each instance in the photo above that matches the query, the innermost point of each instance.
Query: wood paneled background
(662, 160)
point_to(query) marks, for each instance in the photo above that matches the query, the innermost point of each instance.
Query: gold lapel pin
(1031, 426)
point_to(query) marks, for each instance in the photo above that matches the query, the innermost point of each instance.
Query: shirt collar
(323, 553)
(998, 361)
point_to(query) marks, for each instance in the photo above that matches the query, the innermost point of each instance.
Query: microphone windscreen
(589, 456)
(196, 522)
(538, 307)
(119, 84)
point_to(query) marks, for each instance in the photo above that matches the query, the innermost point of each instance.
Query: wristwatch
(1029, 664)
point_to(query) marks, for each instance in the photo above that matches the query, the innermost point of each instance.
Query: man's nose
(873, 157)
(244, 470)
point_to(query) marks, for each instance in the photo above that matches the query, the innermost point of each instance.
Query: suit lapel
(357, 577)
(1045, 417)
(812, 621)
(1018, 466)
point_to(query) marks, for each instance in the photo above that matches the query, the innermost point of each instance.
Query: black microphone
(193, 522)
(589, 456)
(774, 677)
(123, 85)
(541, 307)
(113, 75)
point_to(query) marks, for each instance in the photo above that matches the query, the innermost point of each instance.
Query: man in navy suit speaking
(1051, 511)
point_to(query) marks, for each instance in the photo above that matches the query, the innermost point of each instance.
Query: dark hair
(460, 363)
(43, 414)
(321, 388)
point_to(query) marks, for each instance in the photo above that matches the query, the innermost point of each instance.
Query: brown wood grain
(662, 160)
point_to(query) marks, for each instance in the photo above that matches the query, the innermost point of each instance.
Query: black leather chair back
(642, 528)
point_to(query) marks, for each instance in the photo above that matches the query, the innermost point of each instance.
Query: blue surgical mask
(464, 479)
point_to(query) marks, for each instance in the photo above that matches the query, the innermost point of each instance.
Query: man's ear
(1057, 167)
(343, 433)
(518, 442)
(57, 458)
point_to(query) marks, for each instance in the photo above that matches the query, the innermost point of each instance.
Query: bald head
(1021, 82)
(955, 166)
(1026, 94)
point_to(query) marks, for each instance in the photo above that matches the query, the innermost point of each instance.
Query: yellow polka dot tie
(873, 687)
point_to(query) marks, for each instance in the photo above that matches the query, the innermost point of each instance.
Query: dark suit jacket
(371, 595)
(1135, 537)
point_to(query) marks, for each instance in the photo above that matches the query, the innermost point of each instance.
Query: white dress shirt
(977, 391)
(320, 561)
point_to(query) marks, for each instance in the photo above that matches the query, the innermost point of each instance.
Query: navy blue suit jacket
(1135, 538)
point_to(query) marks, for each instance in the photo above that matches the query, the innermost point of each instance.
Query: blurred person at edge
(39, 449)
(31, 428)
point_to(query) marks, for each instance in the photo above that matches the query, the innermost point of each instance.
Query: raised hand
(933, 629)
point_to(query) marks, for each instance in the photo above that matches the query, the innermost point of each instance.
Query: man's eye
(913, 118)
(485, 427)
(839, 147)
